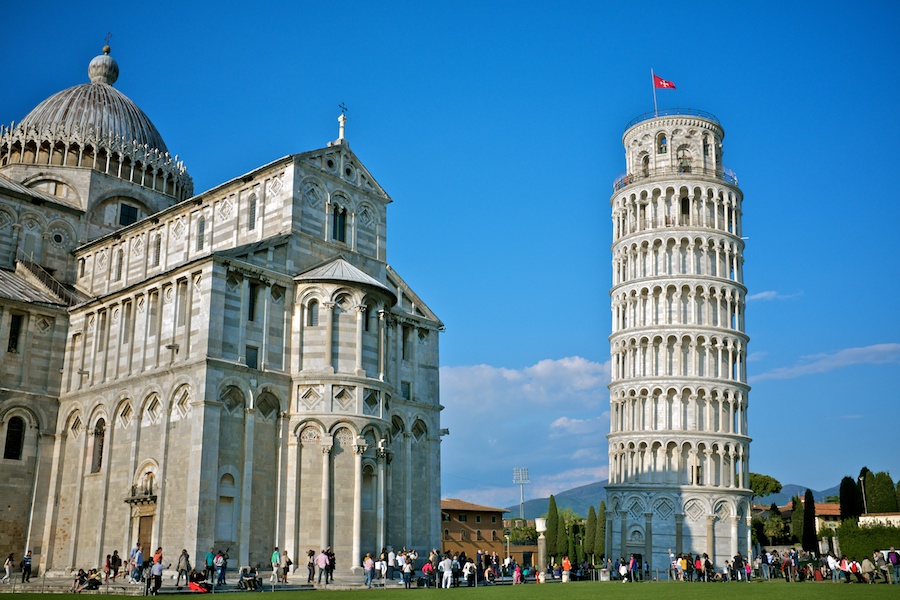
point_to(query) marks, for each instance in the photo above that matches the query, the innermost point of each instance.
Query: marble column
(327, 444)
(360, 448)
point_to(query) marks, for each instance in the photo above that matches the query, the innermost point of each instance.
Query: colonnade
(703, 410)
(679, 355)
(678, 255)
(678, 303)
(653, 207)
(719, 464)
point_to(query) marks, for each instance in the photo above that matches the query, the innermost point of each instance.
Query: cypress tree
(600, 539)
(849, 495)
(552, 526)
(810, 544)
(796, 519)
(590, 533)
(562, 541)
(880, 493)
(573, 532)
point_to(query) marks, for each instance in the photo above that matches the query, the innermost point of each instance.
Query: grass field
(774, 590)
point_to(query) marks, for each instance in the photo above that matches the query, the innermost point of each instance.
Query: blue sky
(496, 128)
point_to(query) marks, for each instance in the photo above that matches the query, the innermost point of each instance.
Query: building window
(405, 391)
(15, 332)
(445, 517)
(493, 518)
(252, 357)
(201, 233)
(339, 224)
(153, 311)
(463, 535)
(181, 303)
(662, 144)
(478, 535)
(494, 536)
(251, 218)
(101, 331)
(252, 291)
(81, 267)
(446, 535)
(15, 439)
(126, 323)
(99, 440)
(156, 251)
(117, 269)
(312, 313)
(127, 214)
(405, 342)
(462, 518)
(478, 518)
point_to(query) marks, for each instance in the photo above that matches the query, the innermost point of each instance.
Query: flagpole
(653, 85)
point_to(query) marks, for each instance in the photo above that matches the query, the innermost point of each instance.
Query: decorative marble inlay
(313, 197)
(178, 228)
(275, 186)
(343, 397)
(310, 435)
(225, 208)
(365, 217)
(125, 416)
(102, 258)
(371, 402)
(43, 324)
(137, 247)
(310, 398)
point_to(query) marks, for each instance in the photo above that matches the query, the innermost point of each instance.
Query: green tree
(552, 525)
(773, 526)
(808, 538)
(569, 516)
(796, 519)
(898, 493)
(881, 494)
(833, 499)
(590, 533)
(600, 539)
(849, 493)
(562, 541)
(763, 485)
(570, 539)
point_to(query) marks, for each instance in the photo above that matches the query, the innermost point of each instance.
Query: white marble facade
(236, 369)
(678, 441)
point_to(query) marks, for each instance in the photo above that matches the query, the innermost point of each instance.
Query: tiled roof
(456, 504)
(340, 270)
(16, 287)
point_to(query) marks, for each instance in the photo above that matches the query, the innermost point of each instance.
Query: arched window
(446, 535)
(645, 166)
(201, 232)
(99, 441)
(251, 218)
(339, 224)
(684, 160)
(157, 250)
(15, 438)
(662, 144)
(312, 313)
(120, 258)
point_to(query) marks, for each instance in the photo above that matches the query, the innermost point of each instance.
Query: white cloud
(551, 417)
(878, 354)
(770, 295)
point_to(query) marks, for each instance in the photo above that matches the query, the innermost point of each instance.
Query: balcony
(646, 175)
(672, 112)
(141, 494)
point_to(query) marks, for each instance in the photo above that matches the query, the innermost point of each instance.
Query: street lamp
(862, 486)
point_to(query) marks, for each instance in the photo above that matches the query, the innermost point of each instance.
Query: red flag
(659, 82)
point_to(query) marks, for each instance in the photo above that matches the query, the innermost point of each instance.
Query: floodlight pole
(520, 478)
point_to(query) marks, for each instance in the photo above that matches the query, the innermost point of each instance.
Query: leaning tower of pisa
(678, 442)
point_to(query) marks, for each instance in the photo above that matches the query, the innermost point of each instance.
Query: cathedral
(237, 369)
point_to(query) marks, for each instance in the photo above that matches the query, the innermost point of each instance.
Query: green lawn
(773, 590)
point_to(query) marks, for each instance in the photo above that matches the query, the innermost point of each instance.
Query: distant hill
(790, 490)
(581, 498)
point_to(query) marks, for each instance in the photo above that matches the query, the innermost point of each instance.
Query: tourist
(368, 570)
(156, 574)
(893, 559)
(322, 563)
(8, 567)
(406, 571)
(115, 563)
(183, 566)
(276, 565)
(219, 563)
(286, 563)
(446, 568)
(332, 563)
(311, 566)
(26, 567)
(136, 562)
(210, 565)
(391, 563)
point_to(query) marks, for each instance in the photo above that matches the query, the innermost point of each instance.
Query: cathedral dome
(97, 107)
